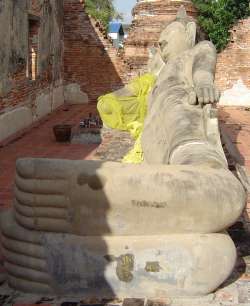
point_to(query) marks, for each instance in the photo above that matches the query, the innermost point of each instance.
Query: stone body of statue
(154, 229)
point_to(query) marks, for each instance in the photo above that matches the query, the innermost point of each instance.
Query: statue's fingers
(43, 224)
(211, 95)
(43, 168)
(43, 212)
(41, 200)
(200, 96)
(25, 261)
(38, 186)
(206, 95)
(27, 273)
(217, 94)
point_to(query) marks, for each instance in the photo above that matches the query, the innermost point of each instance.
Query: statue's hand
(42, 195)
(207, 94)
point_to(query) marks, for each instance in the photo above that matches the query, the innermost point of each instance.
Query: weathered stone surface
(103, 266)
(14, 120)
(43, 105)
(57, 97)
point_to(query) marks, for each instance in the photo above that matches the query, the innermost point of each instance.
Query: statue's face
(174, 40)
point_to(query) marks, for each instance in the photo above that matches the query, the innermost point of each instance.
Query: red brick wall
(234, 62)
(89, 58)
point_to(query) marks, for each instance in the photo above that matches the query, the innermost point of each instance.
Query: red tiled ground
(39, 141)
(236, 123)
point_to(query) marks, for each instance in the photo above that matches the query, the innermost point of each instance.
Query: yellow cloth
(127, 113)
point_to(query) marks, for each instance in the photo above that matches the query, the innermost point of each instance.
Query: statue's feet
(25, 260)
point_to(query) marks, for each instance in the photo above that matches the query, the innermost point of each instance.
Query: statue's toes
(48, 224)
(34, 199)
(42, 168)
(25, 258)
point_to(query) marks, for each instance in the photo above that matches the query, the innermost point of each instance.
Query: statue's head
(178, 36)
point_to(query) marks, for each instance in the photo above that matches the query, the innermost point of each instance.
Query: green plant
(102, 10)
(216, 17)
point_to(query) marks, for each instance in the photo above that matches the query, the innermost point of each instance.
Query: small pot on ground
(62, 132)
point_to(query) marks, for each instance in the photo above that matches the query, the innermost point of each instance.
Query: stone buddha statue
(154, 229)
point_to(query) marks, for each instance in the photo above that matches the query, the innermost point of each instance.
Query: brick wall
(150, 18)
(90, 60)
(234, 62)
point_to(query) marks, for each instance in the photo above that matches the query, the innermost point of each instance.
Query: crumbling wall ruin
(233, 63)
(91, 64)
(31, 62)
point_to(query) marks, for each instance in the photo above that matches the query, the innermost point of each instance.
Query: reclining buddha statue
(153, 229)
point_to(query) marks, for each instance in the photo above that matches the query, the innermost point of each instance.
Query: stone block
(133, 302)
(57, 97)
(15, 120)
(238, 95)
(159, 302)
(74, 95)
(43, 104)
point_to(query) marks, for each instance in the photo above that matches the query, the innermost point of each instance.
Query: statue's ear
(191, 31)
(182, 13)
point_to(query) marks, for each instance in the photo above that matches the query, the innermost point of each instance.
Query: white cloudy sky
(125, 7)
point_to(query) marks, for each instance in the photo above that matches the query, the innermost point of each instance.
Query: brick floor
(39, 141)
(235, 122)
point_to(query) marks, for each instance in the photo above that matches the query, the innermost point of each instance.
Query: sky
(125, 7)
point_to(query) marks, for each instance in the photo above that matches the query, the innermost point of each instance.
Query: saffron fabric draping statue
(153, 229)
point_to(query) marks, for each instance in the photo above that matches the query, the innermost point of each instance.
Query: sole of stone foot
(105, 266)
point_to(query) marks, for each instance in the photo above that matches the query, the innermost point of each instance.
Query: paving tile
(27, 304)
(133, 302)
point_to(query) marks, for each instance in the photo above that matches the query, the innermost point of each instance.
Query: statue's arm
(204, 66)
